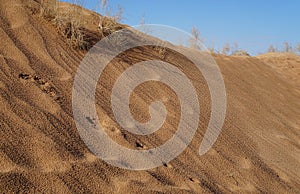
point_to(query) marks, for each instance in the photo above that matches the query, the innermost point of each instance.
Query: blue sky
(252, 24)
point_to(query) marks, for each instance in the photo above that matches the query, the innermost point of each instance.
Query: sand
(41, 151)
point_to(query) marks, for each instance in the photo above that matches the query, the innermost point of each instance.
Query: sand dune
(41, 150)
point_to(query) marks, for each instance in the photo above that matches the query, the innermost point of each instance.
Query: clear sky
(252, 24)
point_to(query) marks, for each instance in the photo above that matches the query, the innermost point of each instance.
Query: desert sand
(258, 150)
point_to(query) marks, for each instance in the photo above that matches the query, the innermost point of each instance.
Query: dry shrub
(108, 21)
(70, 24)
(108, 26)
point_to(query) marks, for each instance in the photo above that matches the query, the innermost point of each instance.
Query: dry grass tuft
(71, 23)
(108, 26)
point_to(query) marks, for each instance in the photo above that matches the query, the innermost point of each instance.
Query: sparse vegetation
(106, 11)
(108, 22)
(211, 48)
(240, 53)
(286, 48)
(226, 49)
(298, 48)
(235, 48)
(194, 42)
(70, 23)
(272, 49)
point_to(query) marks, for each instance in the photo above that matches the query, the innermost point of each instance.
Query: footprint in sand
(194, 180)
(139, 145)
(282, 175)
(167, 165)
(91, 121)
(25, 76)
(44, 85)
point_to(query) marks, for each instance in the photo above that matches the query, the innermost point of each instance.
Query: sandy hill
(287, 64)
(42, 152)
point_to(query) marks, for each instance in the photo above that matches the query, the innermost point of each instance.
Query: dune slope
(41, 150)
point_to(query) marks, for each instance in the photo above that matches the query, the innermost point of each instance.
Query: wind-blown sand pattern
(41, 151)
